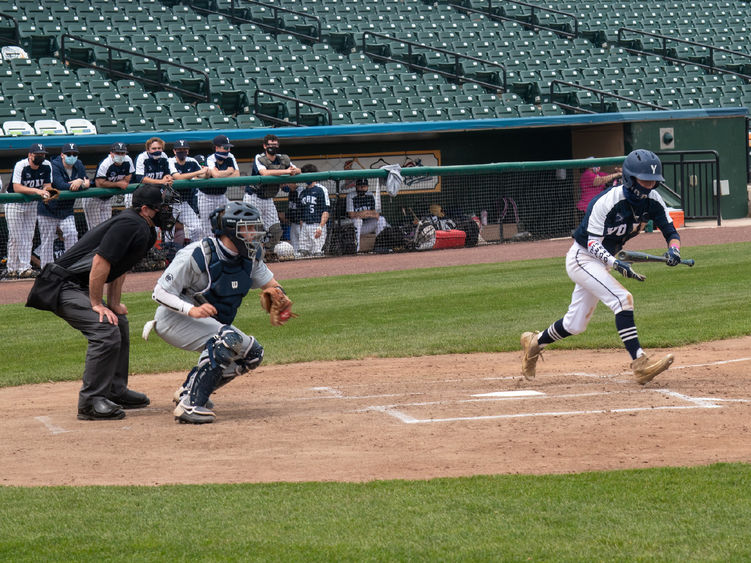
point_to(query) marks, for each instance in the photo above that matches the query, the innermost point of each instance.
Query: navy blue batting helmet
(643, 165)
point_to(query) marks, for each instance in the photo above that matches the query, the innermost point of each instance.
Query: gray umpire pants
(105, 373)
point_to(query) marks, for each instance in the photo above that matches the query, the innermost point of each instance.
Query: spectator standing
(184, 167)
(103, 256)
(68, 174)
(269, 163)
(591, 183)
(220, 164)
(361, 208)
(115, 171)
(314, 214)
(31, 176)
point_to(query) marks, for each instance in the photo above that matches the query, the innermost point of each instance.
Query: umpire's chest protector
(229, 282)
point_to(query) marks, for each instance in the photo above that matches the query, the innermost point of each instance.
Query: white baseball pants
(206, 204)
(265, 207)
(308, 242)
(21, 219)
(48, 233)
(594, 283)
(96, 211)
(367, 226)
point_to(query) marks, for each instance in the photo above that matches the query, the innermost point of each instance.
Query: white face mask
(119, 158)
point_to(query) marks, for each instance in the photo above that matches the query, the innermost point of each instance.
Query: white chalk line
(51, 426)
(407, 419)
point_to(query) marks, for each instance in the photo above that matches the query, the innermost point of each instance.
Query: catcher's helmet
(643, 165)
(242, 223)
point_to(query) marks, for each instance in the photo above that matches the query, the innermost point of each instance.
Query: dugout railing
(509, 201)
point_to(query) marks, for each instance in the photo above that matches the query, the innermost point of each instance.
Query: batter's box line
(696, 403)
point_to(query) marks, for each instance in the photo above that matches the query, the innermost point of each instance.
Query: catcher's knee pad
(252, 357)
(224, 347)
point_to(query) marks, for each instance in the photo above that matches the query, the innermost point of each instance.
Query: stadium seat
(194, 122)
(136, 123)
(49, 127)
(80, 127)
(166, 123)
(109, 125)
(13, 128)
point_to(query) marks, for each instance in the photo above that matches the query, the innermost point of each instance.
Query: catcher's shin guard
(252, 357)
(646, 369)
(181, 391)
(531, 351)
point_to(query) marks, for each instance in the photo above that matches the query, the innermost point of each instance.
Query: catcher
(199, 294)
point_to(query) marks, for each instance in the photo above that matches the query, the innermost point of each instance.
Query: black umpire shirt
(122, 240)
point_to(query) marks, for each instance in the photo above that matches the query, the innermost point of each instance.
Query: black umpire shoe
(131, 400)
(101, 409)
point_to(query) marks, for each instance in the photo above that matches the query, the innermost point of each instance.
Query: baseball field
(389, 422)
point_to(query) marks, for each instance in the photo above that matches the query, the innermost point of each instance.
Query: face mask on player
(118, 158)
(221, 154)
(155, 154)
(70, 159)
(272, 150)
(181, 155)
(38, 159)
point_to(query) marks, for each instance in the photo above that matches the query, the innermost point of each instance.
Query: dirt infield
(398, 418)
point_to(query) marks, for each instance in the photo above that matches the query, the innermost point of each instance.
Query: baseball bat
(633, 256)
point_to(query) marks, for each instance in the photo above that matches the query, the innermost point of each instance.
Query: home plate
(528, 393)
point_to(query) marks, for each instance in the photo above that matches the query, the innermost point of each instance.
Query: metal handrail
(602, 94)
(275, 29)
(412, 65)
(159, 63)
(493, 14)
(665, 38)
(297, 101)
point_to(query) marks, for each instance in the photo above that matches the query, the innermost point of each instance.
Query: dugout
(449, 143)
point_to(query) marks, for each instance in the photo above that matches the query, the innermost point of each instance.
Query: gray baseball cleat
(531, 351)
(189, 414)
(646, 369)
(183, 391)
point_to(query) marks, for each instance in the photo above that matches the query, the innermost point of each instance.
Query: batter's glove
(673, 256)
(54, 193)
(624, 268)
(276, 303)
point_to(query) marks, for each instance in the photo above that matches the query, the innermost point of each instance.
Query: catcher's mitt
(276, 303)
(54, 192)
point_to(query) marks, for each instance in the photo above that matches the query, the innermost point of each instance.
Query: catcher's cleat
(531, 350)
(188, 414)
(183, 391)
(646, 368)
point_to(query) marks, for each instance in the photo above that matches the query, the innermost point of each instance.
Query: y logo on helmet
(654, 168)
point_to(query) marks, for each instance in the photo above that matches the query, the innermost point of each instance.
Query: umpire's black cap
(148, 195)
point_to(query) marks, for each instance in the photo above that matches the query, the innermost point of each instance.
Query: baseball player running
(199, 294)
(612, 218)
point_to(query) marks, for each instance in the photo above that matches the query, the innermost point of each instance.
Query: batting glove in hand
(673, 256)
(624, 268)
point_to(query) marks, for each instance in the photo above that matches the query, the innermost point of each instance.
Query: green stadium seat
(248, 121)
(362, 117)
(459, 113)
(109, 125)
(435, 114)
(386, 116)
(137, 97)
(138, 124)
(166, 123)
(192, 122)
(124, 111)
(166, 98)
(222, 121)
(110, 98)
(93, 112)
(182, 110)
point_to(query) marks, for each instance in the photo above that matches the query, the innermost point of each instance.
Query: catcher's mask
(160, 200)
(643, 165)
(242, 223)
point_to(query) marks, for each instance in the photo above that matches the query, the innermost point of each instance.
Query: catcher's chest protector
(229, 282)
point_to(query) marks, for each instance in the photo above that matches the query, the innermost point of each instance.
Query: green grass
(673, 514)
(683, 514)
(480, 308)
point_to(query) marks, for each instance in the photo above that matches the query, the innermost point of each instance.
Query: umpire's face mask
(163, 218)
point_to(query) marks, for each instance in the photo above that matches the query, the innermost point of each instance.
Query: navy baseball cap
(119, 147)
(361, 182)
(38, 148)
(181, 144)
(221, 141)
(69, 147)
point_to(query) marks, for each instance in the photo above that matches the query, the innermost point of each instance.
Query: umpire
(103, 256)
